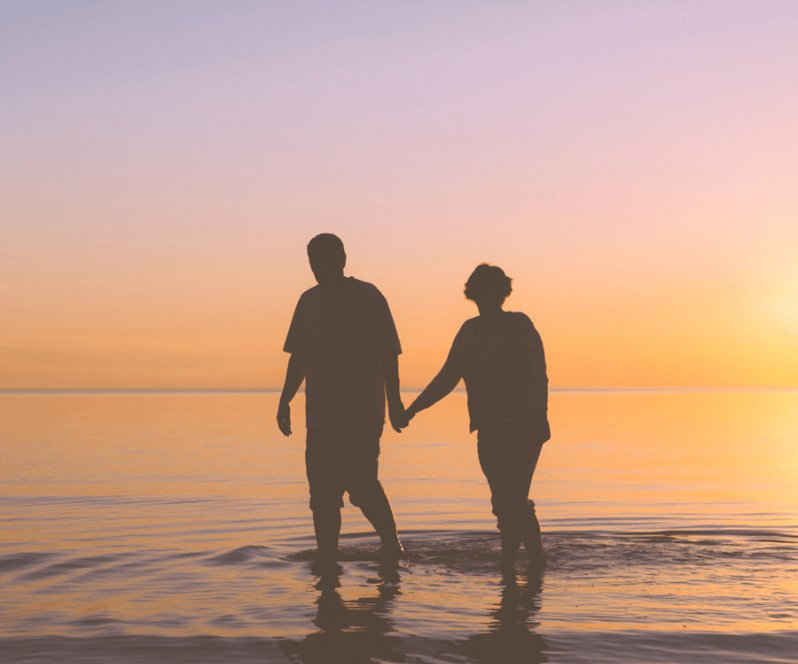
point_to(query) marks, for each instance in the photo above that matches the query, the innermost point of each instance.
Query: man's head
(327, 259)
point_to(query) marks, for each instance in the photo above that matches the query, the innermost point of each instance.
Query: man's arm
(294, 376)
(396, 409)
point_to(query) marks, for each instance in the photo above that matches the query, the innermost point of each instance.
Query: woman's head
(488, 284)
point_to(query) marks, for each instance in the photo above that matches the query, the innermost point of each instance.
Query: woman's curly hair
(488, 279)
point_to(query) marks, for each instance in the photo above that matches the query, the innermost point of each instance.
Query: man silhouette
(344, 344)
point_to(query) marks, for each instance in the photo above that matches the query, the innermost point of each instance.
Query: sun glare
(784, 309)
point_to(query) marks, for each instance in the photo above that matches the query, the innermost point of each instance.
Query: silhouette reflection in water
(509, 638)
(351, 632)
(361, 631)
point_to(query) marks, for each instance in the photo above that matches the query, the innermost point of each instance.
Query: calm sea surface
(169, 527)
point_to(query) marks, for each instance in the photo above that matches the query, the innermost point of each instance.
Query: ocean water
(174, 527)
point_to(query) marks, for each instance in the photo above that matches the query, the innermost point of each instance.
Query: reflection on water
(351, 631)
(176, 528)
(510, 636)
(361, 630)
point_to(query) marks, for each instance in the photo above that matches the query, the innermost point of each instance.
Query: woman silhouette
(499, 355)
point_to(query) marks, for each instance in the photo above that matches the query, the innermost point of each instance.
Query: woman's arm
(446, 380)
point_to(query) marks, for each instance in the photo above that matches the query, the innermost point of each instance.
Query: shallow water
(174, 527)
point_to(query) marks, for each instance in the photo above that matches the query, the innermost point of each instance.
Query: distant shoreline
(274, 390)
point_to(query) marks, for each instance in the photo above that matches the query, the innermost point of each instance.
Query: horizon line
(277, 390)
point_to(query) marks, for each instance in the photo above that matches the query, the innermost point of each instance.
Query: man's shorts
(339, 461)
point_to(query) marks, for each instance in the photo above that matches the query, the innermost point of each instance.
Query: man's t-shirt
(504, 368)
(341, 334)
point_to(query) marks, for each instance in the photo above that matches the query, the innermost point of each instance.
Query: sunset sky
(632, 165)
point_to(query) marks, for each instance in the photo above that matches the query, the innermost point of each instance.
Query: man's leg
(327, 524)
(361, 468)
(377, 509)
(324, 472)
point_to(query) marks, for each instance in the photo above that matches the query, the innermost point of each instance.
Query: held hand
(398, 417)
(284, 418)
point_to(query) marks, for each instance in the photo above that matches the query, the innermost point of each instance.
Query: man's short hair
(326, 243)
(488, 279)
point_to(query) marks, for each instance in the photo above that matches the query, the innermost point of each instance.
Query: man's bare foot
(392, 551)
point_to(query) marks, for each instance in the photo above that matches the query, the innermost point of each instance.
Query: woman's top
(504, 368)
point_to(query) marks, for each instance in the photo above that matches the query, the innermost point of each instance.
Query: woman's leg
(509, 462)
(533, 542)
